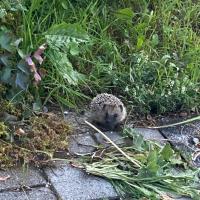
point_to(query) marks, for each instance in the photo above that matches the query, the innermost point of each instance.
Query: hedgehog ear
(121, 107)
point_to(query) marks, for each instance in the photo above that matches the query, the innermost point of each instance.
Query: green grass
(146, 52)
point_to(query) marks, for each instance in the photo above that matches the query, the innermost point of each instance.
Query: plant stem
(178, 123)
(136, 163)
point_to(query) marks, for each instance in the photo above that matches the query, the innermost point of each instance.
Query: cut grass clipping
(162, 172)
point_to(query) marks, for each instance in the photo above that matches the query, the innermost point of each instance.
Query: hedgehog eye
(115, 115)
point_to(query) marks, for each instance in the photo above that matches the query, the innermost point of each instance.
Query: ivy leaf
(23, 66)
(22, 80)
(5, 41)
(4, 60)
(167, 152)
(5, 74)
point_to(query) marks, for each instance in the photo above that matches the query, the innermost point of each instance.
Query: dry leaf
(4, 178)
(20, 132)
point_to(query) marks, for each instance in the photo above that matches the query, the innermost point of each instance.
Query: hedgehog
(107, 111)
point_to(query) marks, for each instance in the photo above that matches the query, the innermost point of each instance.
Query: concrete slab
(18, 177)
(74, 184)
(151, 134)
(116, 137)
(185, 138)
(85, 143)
(82, 144)
(77, 122)
(33, 194)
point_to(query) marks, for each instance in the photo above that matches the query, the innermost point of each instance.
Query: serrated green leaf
(138, 141)
(152, 162)
(64, 67)
(140, 41)
(72, 30)
(167, 152)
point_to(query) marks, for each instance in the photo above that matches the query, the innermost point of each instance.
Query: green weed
(154, 178)
(144, 51)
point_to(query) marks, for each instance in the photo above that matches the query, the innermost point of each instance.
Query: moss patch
(34, 142)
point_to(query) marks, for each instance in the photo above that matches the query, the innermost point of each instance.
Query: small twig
(108, 139)
(178, 123)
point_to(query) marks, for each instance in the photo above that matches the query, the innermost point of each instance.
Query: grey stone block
(151, 134)
(19, 177)
(77, 122)
(82, 144)
(74, 184)
(33, 194)
(86, 143)
(183, 138)
(116, 137)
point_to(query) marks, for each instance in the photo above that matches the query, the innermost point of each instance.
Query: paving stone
(183, 139)
(151, 134)
(82, 144)
(116, 137)
(74, 184)
(33, 194)
(18, 177)
(77, 122)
